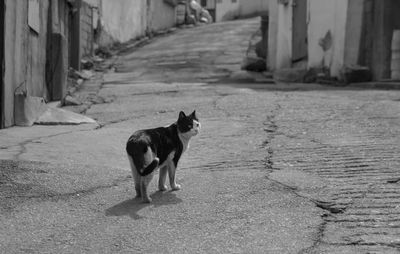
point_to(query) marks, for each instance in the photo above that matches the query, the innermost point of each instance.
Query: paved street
(276, 168)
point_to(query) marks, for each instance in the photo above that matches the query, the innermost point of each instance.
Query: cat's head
(188, 125)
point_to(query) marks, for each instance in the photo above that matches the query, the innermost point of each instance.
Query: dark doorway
(380, 19)
(2, 16)
(299, 39)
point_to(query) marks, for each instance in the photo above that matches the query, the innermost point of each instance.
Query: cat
(161, 148)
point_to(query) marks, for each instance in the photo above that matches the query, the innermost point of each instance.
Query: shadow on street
(131, 207)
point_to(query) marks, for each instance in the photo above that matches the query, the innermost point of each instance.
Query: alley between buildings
(276, 168)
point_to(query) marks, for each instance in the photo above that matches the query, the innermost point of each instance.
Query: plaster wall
(94, 3)
(272, 35)
(249, 8)
(161, 16)
(123, 20)
(324, 16)
(15, 68)
(227, 10)
(25, 54)
(36, 57)
(284, 36)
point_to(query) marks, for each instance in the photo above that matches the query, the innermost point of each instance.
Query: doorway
(299, 37)
(380, 19)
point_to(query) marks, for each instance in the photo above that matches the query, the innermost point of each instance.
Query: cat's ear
(193, 115)
(182, 115)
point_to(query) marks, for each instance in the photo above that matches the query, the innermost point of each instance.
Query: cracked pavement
(277, 168)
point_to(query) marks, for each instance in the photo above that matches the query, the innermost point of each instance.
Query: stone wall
(86, 29)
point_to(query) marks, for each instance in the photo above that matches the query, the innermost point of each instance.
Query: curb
(385, 85)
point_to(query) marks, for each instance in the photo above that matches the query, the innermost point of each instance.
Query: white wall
(162, 16)
(124, 19)
(324, 16)
(252, 7)
(272, 35)
(226, 10)
(284, 40)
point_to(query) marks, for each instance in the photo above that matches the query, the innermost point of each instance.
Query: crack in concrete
(79, 193)
(271, 128)
(23, 145)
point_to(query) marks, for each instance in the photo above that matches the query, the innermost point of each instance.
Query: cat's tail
(150, 168)
(143, 158)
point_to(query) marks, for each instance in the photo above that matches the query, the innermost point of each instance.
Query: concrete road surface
(277, 168)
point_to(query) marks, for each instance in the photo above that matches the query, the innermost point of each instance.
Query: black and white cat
(160, 148)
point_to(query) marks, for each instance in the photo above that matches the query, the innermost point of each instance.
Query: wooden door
(299, 39)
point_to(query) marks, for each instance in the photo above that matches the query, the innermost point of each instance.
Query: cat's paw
(138, 193)
(176, 187)
(162, 188)
(146, 200)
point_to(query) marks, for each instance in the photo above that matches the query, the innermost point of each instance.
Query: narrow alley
(276, 168)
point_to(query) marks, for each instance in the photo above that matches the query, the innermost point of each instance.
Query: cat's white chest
(185, 142)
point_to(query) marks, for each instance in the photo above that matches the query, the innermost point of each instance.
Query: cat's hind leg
(136, 177)
(144, 184)
(163, 177)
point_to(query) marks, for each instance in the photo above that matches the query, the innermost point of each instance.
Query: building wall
(324, 16)
(250, 8)
(227, 10)
(161, 16)
(25, 53)
(16, 32)
(36, 57)
(272, 35)
(284, 36)
(353, 32)
(123, 20)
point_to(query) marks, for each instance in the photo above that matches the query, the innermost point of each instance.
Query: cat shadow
(131, 207)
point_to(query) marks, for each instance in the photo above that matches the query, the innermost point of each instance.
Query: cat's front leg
(171, 174)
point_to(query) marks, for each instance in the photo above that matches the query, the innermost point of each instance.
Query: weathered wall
(123, 20)
(86, 30)
(284, 36)
(57, 49)
(161, 16)
(272, 35)
(226, 10)
(324, 16)
(25, 54)
(16, 32)
(249, 8)
(353, 32)
(36, 58)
